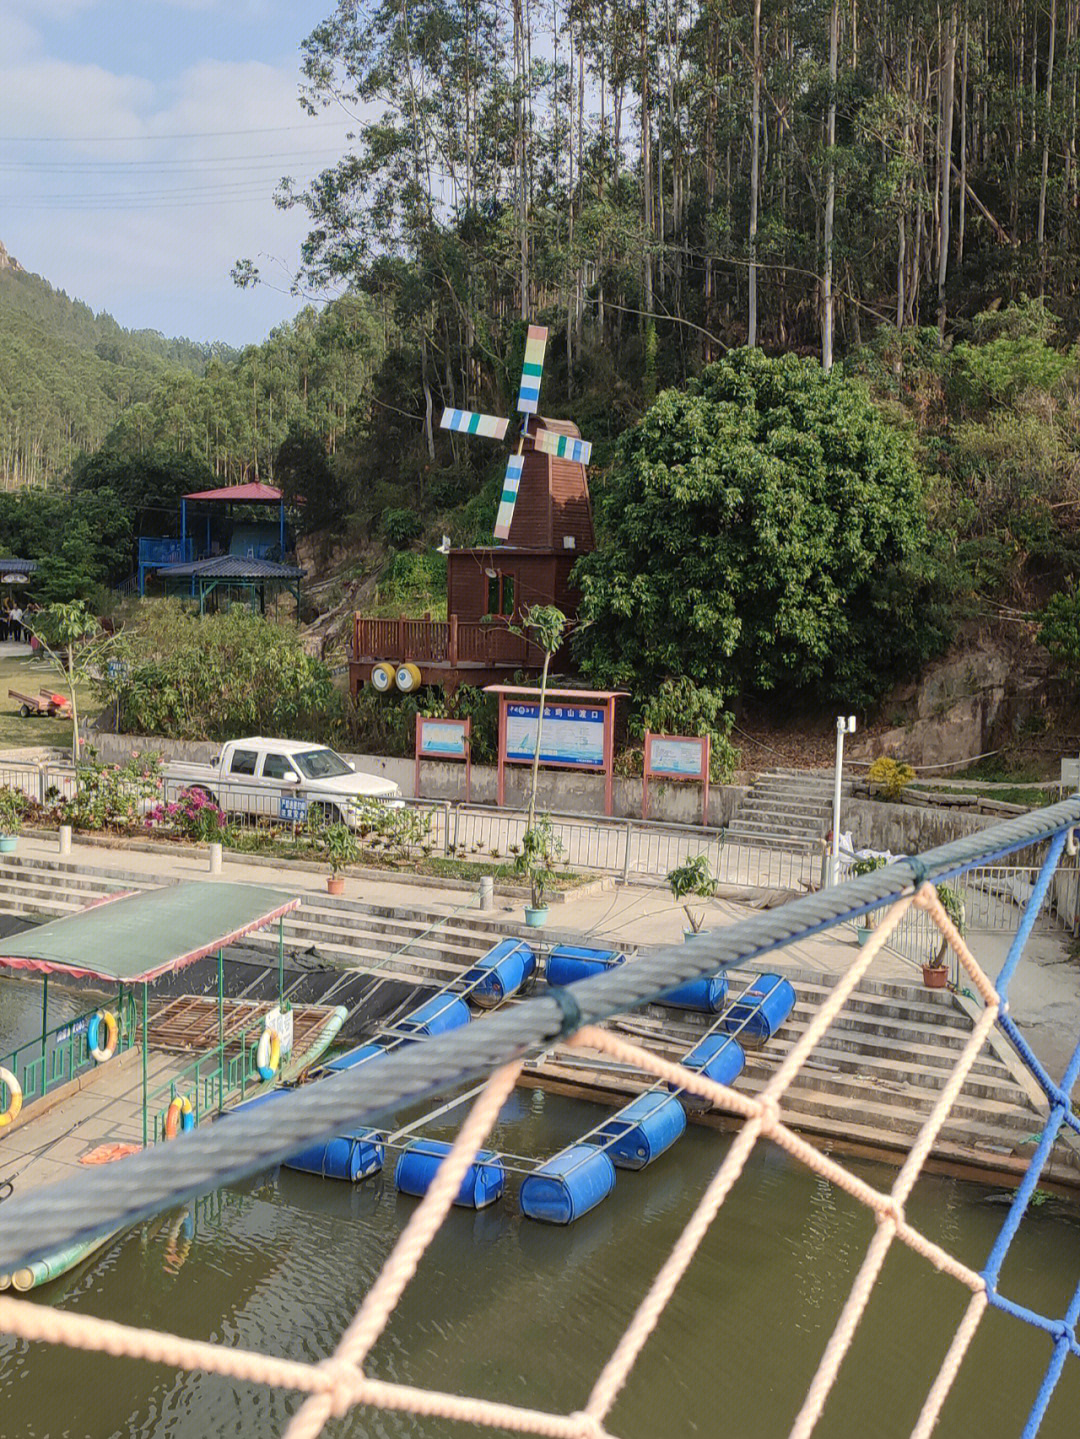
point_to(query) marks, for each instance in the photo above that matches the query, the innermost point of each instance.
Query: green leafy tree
(762, 530)
(78, 650)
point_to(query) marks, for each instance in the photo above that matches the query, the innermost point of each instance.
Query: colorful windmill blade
(532, 369)
(562, 446)
(468, 422)
(514, 467)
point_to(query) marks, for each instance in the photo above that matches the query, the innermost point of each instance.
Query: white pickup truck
(282, 779)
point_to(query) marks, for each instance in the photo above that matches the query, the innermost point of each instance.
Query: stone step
(968, 1124)
(797, 809)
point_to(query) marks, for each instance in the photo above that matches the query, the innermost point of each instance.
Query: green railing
(62, 1054)
(213, 1079)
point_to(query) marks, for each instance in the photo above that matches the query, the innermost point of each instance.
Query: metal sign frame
(661, 763)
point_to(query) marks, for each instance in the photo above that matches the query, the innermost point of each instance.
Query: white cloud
(154, 242)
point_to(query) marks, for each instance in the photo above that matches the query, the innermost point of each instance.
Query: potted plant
(338, 843)
(540, 847)
(867, 866)
(935, 972)
(12, 811)
(693, 877)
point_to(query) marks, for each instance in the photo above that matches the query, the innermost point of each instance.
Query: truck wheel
(322, 815)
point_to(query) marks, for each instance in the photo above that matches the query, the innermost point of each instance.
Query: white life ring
(102, 1052)
(268, 1055)
(15, 1097)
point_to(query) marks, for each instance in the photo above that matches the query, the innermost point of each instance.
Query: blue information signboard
(293, 808)
(443, 739)
(572, 734)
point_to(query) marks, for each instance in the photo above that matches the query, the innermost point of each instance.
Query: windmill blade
(532, 369)
(562, 446)
(514, 467)
(468, 422)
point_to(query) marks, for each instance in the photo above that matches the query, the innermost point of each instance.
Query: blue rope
(1031, 913)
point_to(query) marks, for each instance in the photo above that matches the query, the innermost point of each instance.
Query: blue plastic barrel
(351, 1156)
(643, 1129)
(766, 1004)
(270, 1097)
(436, 1016)
(567, 1186)
(567, 963)
(704, 994)
(484, 1180)
(501, 972)
(353, 1057)
(717, 1057)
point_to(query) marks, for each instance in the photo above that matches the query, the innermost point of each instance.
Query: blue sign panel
(680, 758)
(572, 734)
(442, 739)
(293, 808)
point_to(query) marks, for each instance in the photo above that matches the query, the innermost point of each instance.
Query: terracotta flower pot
(935, 977)
(335, 884)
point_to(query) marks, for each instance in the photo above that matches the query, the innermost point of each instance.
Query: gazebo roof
(17, 567)
(138, 937)
(232, 567)
(253, 493)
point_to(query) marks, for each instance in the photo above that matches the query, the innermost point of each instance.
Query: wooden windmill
(544, 523)
(548, 492)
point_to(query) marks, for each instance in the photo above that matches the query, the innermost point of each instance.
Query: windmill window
(500, 594)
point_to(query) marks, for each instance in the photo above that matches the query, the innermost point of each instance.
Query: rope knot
(343, 1378)
(770, 1115)
(890, 1210)
(588, 1426)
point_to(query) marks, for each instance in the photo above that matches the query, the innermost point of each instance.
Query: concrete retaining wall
(905, 828)
(562, 791)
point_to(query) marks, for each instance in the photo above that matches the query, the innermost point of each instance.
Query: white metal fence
(630, 849)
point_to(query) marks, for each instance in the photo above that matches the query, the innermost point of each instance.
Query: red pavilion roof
(254, 493)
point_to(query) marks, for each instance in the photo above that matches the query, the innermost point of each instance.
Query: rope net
(332, 1387)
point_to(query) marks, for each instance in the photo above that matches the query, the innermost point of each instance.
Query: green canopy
(140, 936)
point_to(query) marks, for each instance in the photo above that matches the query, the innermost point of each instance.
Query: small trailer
(45, 702)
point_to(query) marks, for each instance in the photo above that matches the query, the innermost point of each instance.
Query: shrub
(401, 527)
(684, 708)
(890, 777)
(1059, 632)
(219, 676)
(193, 814)
(112, 796)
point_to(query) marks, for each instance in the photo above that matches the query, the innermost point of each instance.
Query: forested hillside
(894, 189)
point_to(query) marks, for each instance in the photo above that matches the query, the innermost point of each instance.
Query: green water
(517, 1311)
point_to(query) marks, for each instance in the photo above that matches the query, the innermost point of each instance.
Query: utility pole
(843, 727)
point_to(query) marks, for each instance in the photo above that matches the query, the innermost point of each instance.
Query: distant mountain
(67, 375)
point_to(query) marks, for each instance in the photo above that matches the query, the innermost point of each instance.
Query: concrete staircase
(786, 808)
(398, 942)
(871, 1081)
(879, 1070)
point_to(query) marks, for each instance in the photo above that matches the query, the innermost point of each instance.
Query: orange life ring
(179, 1116)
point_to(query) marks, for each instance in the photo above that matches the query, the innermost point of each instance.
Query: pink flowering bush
(111, 796)
(193, 814)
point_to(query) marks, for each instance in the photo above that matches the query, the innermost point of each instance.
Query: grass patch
(28, 675)
(999, 769)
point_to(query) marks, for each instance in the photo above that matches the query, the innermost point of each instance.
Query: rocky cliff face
(8, 262)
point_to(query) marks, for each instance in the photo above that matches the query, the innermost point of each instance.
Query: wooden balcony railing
(450, 642)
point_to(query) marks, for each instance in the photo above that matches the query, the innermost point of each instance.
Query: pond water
(514, 1310)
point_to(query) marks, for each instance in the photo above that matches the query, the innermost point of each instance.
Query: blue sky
(140, 145)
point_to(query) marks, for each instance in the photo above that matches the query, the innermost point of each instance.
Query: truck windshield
(320, 764)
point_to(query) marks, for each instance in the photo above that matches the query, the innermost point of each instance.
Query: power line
(91, 167)
(140, 139)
